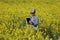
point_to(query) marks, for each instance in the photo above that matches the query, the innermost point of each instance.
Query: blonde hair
(32, 11)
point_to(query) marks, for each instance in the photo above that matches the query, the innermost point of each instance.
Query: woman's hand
(30, 22)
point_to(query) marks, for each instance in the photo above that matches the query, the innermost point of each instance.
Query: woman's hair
(32, 11)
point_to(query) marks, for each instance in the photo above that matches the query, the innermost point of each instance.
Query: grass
(13, 15)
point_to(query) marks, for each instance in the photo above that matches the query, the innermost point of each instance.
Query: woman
(33, 19)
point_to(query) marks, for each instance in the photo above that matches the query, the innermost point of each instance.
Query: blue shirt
(35, 19)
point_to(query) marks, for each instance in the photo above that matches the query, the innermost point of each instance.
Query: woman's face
(33, 14)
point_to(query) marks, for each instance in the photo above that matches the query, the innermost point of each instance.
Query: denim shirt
(35, 20)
